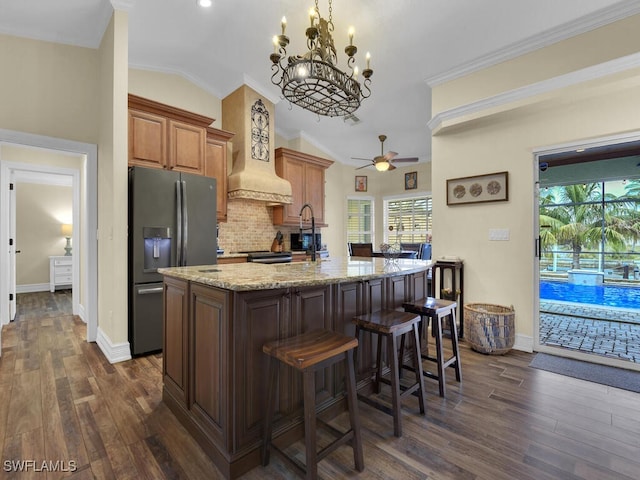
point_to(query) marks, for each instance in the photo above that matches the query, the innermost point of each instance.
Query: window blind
(359, 221)
(408, 220)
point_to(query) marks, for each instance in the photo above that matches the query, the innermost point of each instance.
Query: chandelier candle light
(313, 81)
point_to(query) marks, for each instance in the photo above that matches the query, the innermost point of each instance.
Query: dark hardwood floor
(63, 404)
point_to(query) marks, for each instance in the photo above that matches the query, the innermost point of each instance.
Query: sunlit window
(408, 220)
(360, 220)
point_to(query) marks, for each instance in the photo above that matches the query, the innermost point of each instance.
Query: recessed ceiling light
(205, 3)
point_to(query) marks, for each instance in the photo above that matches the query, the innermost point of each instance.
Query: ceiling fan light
(382, 166)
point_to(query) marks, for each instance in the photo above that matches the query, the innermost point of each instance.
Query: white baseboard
(81, 313)
(34, 287)
(523, 343)
(115, 353)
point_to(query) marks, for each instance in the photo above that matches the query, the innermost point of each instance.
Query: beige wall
(502, 272)
(40, 211)
(112, 182)
(606, 43)
(176, 91)
(52, 89)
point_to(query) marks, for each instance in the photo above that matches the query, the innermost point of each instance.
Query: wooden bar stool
(308, 353)
(438, 310)
(392, 324)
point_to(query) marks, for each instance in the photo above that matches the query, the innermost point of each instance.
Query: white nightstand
(60, 271)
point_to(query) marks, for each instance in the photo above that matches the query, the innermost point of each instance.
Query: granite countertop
(258, 276)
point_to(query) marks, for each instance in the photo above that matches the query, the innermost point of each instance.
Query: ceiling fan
(385, 161)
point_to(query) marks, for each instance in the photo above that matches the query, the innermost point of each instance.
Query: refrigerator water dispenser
(157, 248)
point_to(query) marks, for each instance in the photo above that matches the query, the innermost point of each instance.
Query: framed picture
(493, 187)
(410, 180)
(361, 183)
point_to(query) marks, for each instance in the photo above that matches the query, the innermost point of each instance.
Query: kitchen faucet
(313, 230)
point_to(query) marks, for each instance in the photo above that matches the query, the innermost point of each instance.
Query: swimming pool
(608, 295)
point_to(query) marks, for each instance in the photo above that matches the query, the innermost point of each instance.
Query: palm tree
(627, 215)
(576, 219)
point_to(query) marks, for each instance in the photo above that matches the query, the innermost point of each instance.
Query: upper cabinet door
(163, 136)
(216, 166)
(147, 139)
(291, 169)
(306, 174)
(314, 190)
(186, 147)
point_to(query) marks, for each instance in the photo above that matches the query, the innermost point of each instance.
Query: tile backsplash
(249, 226)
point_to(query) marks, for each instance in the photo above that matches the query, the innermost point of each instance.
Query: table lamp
(66, 230)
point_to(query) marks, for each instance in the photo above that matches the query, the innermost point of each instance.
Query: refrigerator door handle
(179, 223)
(185, 231)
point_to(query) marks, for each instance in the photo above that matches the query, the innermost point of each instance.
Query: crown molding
(584, 24)
(594, 72)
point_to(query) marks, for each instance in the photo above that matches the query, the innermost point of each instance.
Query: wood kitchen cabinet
(214, 368)
(175, 347)
(208, 367)
(358, 298)
(261, 317)
(186, 147)
(227, 260)
(213, 353)
(216, 166)
(306, 174)
(147, 139)
(161, 136)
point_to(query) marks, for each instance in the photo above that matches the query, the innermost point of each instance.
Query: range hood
(253, 175)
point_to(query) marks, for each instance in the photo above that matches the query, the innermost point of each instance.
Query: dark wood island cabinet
(217, 317)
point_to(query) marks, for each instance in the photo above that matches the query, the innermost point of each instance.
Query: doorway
(44, 201)
(586, 201)
(85, 239)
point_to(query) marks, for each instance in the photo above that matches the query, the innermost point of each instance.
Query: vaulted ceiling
(413, 44)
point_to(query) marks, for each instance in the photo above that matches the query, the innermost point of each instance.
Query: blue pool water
(608, 295)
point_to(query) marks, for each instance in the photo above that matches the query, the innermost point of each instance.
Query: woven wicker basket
(489, 328)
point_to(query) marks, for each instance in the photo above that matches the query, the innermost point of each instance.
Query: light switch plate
(500, 234)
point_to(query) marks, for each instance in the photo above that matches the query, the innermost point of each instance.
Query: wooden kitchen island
(216, 319)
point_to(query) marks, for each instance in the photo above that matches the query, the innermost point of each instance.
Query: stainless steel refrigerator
(172, 222)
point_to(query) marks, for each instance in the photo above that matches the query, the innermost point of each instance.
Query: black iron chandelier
(313, 81)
